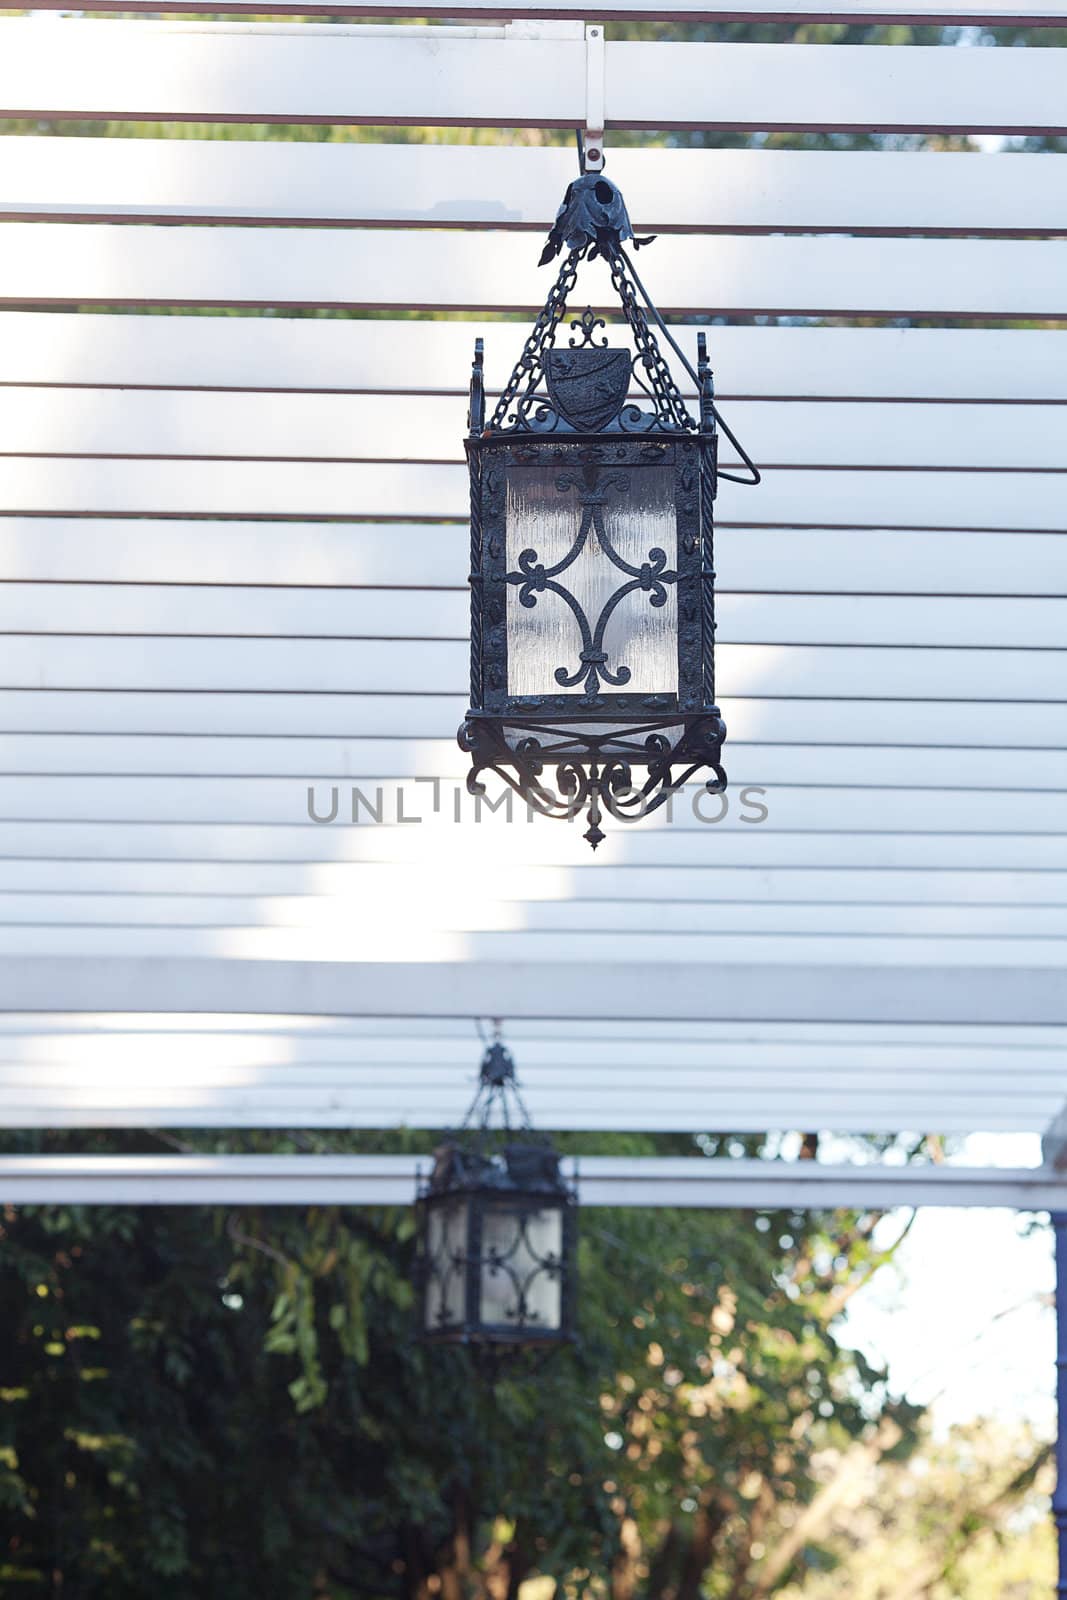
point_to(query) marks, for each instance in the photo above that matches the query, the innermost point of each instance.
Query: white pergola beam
(172, 424)
(486, 186)
(785, 559)
(922, 13)
(604, 1181)
(819, 275)
(330, 721)
(825, 497)
(279, 353)
(679, 991)
(335, 74)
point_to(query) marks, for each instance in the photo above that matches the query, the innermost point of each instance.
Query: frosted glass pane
(521, 1282)
(446, 1249)
(616, 515)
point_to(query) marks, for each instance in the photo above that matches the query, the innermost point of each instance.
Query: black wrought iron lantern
(496, 1228)
(592, 577)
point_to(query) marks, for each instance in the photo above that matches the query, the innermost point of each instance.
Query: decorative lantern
(592, 581)
(496, 1228)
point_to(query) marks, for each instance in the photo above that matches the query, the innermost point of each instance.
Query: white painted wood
(325, 665)
(594, 1119)
(180, 1034)
(1024, 502)
(300, 353)
(96, 1029)
(990, 13)
(629, 887)
(775, 720)
(851, 992)
(205, 70)
(88, 421)
(648, 850)
(980, 959)
(280, 802)
(234, 72)
(412, 762)
(448, 1095)
(88, 262)
(789, 559)
(390, 1180)
(479, 186)
(486, 912)
(229, 1052)
(178, 609)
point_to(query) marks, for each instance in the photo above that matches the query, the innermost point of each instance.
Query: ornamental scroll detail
(533, 578)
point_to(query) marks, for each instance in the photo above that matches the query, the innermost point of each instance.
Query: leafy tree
(965, 1514)
(232, 1403)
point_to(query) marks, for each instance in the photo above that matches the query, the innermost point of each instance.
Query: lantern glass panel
(446, 1258)
(521, 1256)
(603, 525)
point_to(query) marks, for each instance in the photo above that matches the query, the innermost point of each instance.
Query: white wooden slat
(414, 1104)
(59, 347)
(719, 1112)
(138, 609)
(789, 559)
(34, 1035)
(428, 946)
(757, 1113)
(377, 1088)
(406, 1095)
(166, 423)
(648, 849)
(854, 991)
(176, 1061)
(322, 665)
(390, 1180)
(712, 884)
(86, 263)
(411, 761)
(379, 1084)
(479, 186)
(988, 13)
(849, 498)
(320, 915)
(283, 802)
(783, 720)
(96, 1029)
(705, 1102)
(229, 71)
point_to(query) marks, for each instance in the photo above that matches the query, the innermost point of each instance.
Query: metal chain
(521, 390)
(530, 365)
(669, 402)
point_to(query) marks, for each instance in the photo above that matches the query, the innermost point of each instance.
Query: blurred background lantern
(496, 1227)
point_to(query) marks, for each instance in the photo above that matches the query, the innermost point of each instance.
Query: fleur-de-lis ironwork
(533, 578)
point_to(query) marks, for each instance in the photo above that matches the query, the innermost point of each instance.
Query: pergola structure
(233, 600)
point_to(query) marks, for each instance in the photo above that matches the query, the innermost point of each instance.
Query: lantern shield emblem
(588, 387)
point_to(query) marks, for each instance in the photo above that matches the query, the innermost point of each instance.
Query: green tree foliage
(230, 1404)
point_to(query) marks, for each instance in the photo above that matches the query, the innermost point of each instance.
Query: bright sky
(936, 1315)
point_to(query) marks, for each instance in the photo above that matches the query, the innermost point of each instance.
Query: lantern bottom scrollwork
(594, 767)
